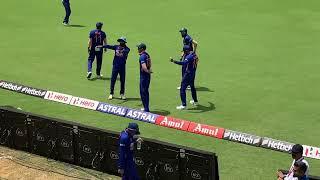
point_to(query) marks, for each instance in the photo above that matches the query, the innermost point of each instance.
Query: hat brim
(121, 40)
(136, 130)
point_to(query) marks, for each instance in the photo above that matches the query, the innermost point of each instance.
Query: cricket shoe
(99, 76)
(142, 109)
(194, 103)
(110, 97)
(188, 88)
(181, 107)
(89, 75)
(65, 24)
(123, 97)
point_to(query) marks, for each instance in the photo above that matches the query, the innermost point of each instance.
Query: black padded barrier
(43, 136)
(98, 148)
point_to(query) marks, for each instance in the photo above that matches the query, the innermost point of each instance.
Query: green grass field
(258, 71)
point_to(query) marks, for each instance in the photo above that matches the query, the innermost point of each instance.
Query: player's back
(145, 58)
(97, 37)
(191, 66)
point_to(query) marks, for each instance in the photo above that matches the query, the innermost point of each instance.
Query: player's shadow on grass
(76, 25)
(103, 78)
(130, 99)
(200, 88)
(201, 108)
(161, 112)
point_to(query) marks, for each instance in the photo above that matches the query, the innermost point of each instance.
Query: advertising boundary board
(165, 121)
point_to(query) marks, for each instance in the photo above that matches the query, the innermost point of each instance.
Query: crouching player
(126, 163)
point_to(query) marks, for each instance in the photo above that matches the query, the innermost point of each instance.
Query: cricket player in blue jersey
(119, 66)
(145, 75)
(97, 38)
(66, 5)
(187, 40)
(126, 163)
(189, 67)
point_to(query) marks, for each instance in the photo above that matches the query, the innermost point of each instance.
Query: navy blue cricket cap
(297, 148)
(122, 39)
(142, 46)
(99, 25)
(183, 30)
(134, 127)
(186, 48)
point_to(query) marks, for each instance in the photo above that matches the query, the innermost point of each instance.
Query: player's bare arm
(144, 68)
(89, 43)
(105, 43)
(195, 45)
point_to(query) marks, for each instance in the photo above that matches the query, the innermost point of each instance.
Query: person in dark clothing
(189, 66)
(66, 5)
(145, 75)
(119, 66)
(126, 164)
(187, 40)
(97, 38)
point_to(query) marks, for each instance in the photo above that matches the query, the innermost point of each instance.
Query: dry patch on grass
(24, 166)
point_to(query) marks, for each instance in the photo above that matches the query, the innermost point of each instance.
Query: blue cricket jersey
(97, 37)
(126, 147)
(187, 40)
(189, 63)
(144, 58)
(120, 54)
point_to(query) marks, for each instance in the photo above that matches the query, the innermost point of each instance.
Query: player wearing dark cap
(145, 75)
(66, 5)
(189, 66)
(296, 154)
(187, 40)
(119, 66)
(126, 164)
(97, 38)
